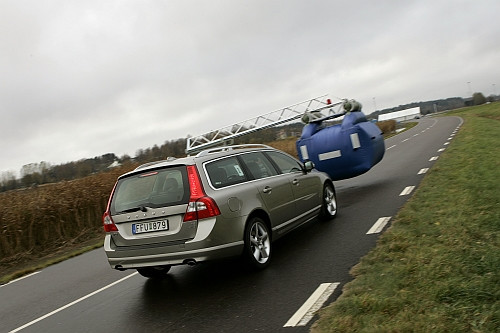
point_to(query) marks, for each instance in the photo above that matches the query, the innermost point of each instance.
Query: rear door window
(225, 172)
(157, 188)
(258, 165)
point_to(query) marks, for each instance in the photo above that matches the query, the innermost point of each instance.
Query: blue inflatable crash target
(344, 150)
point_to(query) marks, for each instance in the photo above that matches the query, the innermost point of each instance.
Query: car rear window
(156, 188)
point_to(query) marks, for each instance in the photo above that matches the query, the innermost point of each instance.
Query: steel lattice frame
(226, 134)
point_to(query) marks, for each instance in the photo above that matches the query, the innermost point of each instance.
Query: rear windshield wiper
(142, 208)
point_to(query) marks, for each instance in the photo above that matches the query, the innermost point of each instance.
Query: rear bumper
(171, 255)
(206, 245)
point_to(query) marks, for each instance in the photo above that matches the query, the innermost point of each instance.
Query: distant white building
(401, 115)
(114, 164)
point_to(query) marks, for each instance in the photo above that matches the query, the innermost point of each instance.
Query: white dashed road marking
(422, 171)
(379, 225)
(305, 313)
(407, 190)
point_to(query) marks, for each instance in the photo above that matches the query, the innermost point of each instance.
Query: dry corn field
(42, 219)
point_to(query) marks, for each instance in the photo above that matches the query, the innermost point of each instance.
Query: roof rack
(226, 134)
(230, 148)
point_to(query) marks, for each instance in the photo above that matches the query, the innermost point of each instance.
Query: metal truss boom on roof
(226, 134)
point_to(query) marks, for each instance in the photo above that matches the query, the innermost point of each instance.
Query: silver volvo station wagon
(223, 202)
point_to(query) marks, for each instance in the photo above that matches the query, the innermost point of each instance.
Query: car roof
(202, 156)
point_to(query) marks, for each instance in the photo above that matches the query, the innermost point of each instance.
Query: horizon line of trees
(35, 174)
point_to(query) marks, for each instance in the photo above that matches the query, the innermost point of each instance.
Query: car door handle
(267, 189)
(295, 182)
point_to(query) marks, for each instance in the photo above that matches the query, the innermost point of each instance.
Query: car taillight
(200, 206)
(109, 225)
(201, 209)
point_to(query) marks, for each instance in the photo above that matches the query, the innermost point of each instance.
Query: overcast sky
(79, 79)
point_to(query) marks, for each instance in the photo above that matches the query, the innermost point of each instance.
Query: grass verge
(437, 268)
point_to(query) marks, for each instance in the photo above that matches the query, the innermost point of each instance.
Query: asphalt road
(309, 268)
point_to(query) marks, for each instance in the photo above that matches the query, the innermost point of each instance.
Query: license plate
(140, 228)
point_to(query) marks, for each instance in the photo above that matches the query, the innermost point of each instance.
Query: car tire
(157, 272)
(329, 203)
(257, 251)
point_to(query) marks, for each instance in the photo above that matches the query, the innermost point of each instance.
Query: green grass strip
(437, 268)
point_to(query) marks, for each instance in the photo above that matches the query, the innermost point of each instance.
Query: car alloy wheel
(257, 243)
(329, 208)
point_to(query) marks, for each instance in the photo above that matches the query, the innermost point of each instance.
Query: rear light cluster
(200, 206)
(107, 221)
(109, 225)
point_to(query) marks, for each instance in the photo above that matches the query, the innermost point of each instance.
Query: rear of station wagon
(222, 202)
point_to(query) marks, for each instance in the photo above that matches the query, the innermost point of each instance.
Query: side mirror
(308, 166)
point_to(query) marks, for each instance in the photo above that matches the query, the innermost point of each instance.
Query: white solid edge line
(19, 279)
(379, 225)
(72, 303)
(305, 313)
